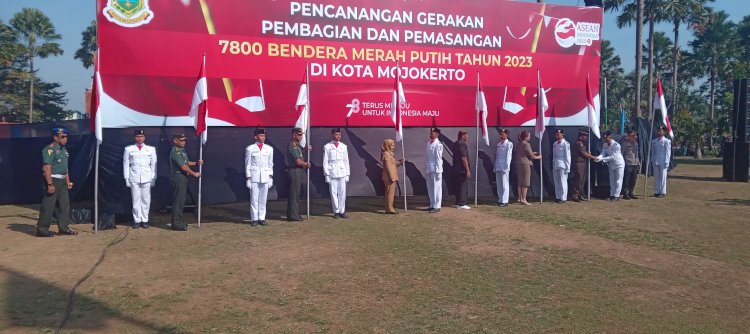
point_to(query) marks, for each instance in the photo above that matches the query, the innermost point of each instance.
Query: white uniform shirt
(335, 160)
(561, 155)
(434, 161)
(661, 151)
(612, 154)
(503, 156)
(259, 163)
(139, 165)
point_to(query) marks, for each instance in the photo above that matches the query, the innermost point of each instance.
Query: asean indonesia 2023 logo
(128, 13)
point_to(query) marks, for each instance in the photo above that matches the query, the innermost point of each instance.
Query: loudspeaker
(736, 161)
(740, 116)
(596, 3)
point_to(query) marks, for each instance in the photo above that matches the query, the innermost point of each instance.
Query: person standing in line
(612, 156)
(139, 170)
(57, 183)
(258, 176)
(336, 170)
(180, 167)
(560, 166)
(503, 158)
(580, 155)
(661, 153)
(295, 164)
(631, 153)
(522, 159)
(434, 171)
(390, 173)
(462, 169)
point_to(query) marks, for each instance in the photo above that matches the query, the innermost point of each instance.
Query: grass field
(680, 264)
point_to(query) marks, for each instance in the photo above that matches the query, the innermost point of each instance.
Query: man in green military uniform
(295, 164)
(180, 169)
(57, 183)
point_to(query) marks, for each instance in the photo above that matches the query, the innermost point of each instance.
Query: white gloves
(128, 184)
(153, 183)
(247, 184)
(328, 179)
(346, 179)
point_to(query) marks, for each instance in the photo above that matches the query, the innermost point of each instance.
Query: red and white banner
(258, 48)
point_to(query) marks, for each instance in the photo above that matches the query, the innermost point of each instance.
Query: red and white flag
(542, 106)
(96, 109)
(199, 108)
(481, 107)
(396, 100)
(249, 95)
(303, 109)
(660, 103)
(591, 107)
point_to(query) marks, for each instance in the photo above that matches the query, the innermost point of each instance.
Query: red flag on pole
(396, 100)
(661, 104)
(481, 106)
(303, 109)
(591, 107)
(199, 107)
(542, 106)
(96, 94)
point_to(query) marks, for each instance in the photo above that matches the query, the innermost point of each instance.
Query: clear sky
(71, 17)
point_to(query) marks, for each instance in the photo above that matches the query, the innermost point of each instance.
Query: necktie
(260, 146)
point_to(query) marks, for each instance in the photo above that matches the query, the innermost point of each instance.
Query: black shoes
(431, 210)
(559, 201)
(145, 225)
(659, 195)
(67, 231)
(343, 215)
(297, 219)
(614, 198)
(632, 196)
(254, 223)
(502, 205)
(44, 234)
(576, 199)
(136, 226)
(179, 226)
(262, 223)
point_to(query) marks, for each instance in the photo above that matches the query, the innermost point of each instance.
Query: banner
(150, 52)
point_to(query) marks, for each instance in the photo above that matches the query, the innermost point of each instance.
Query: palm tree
(661, 50)
(37, 35)
(617, 5)
(88, 46)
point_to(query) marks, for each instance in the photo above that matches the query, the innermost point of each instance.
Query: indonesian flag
(591, 107)
(96, 109)
(249, 95)
(542, 106)
(396, 100)
(481, 106)
(303, 109)
(659, 103)
(199, 107)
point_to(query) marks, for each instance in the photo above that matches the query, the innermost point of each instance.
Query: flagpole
(309, 136)
(541, 135)
(200, 157)
(648, 154)
(403, 157)
(588, 161)
(96, 187)
(476, 161)
(96, 163)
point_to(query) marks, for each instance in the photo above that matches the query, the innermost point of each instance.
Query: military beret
(139, 132)
(58, 131)
(259, 131)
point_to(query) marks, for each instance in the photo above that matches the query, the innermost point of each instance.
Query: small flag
(660, 103)
(303, 109)
(199, 107)
(591, 107)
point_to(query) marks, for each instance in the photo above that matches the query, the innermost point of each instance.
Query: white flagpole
(200, 155)
(96, 163)
(403, 156)
(476, 161)
(309, 136)
(539, 109)
(96, 187)
(401, 128)
(588, 161)
(648, 154)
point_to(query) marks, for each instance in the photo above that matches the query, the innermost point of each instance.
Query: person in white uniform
(612, 156)
(434, 171)
(336, 170)
(503, 158)
(259, 176)
(560, 166)
(661, 153)
(139, 171)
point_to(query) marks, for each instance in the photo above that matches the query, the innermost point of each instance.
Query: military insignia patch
(128, 13)
(49, 152)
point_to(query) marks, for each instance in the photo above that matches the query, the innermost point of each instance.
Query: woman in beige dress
(390, 174)
(522, 159)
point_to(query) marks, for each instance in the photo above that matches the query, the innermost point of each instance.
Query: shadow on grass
(733, 201)
(31, 303)
(699, 162)
(696, 178)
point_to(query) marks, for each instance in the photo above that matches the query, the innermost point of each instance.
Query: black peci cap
(295, 131)
(607, 133)
(259, 131)
(583, 131)
(139, 132)
(436, 130)
(505, 131)
(560, 131)
(335, 130)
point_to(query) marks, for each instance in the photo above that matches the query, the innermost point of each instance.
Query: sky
(71, 17)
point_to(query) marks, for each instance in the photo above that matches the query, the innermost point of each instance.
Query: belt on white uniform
(58, 176)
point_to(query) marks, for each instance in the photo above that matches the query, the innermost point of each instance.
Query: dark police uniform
(293, 153)
(579, 179)
(179, 182)
(462, 182)
(56, 156)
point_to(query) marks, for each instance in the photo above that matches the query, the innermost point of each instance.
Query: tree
(617, 5)
(37, 36)
(743, 30)
(88, 46)
(661, 50)
(611, 69)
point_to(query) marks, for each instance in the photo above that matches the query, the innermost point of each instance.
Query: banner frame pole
(309, 136)
(476, 161)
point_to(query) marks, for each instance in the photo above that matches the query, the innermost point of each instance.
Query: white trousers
(258, 198)
(337, 187)
(616, 173)
(660, 179)
(561, 184)
(435, 189)
(141, 193)
(503, 187)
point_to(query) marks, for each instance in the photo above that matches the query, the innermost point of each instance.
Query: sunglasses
(63, 136)
(183, 139)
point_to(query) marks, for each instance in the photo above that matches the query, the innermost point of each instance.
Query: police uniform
(579, 154)
(56, 156)
(434, 170)
(259, 176)
(561, 167)
(294, 152)
(661, 153)
(503, 159)
(139, 172)
(179, 182)
(612, 156)
(336, 170)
